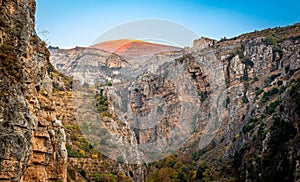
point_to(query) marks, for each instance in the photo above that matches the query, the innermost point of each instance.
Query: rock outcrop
(203, 43)
(233, 104)
(262, 74)
(87, 64)
(32, 139)
(220, 111)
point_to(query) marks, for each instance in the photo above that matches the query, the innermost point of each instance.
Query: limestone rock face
(203, 43)
(92, 65)
(32, 142)
(87, 64)
(234, 103)
(259, 82)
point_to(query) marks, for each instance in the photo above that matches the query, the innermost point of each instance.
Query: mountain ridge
(133, 48)
(234, 103)
(252, 75)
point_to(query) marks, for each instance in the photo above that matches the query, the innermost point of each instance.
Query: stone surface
(233, 104)
(216, 95)
(27, 151)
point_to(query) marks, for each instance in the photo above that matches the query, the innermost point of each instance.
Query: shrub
(270, 109)
(245, 76)
(78, 153)
(250, 125)
(245, 99)
(295, 87)
(95, 156)
(208, 174)
(279, 82)
(71, 173)
(273, 91)
(239, 51)
(198, 154)
(248, 62)
(226, 102)
(102, 104)
(272, 78)
(281, 131)
(295, 96)
(201, 169)
(253, 120)
(269, 94)
(287, 69)
(258, 92)
(120, 159)
(271, 40)
(278, 50)
(282, 89)
(83, 173)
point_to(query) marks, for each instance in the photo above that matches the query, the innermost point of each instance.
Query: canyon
(129, 110)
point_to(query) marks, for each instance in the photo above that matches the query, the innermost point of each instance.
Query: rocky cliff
(262, 77)
(257, 132)
(87, 64)
(221, 110)
(32, 139)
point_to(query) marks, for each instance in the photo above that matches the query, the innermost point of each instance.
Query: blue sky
(71, 23)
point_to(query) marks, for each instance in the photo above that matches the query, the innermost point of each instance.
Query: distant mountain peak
(131, 48)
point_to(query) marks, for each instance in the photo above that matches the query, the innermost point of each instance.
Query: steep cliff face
(226, 110)
(32, 139)
(258, 134)
(92, 65)
(262, 76)
(87, 64)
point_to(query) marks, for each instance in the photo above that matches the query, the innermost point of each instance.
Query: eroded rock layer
(32, 139)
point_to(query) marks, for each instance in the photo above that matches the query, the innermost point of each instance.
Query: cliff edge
(32, 139)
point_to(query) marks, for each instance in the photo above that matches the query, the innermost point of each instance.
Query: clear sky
(71, 23)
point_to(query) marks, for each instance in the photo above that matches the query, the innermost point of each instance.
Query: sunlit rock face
(32, 139)
(154, 100)
(232, 103)
(223, 100)
(134, 48)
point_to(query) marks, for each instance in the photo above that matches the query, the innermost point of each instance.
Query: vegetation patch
(258, 91)
(249, 125)
(270, 109)
(268, 95)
